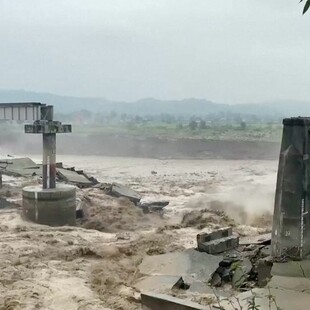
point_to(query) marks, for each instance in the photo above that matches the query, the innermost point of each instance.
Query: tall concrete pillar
(49, 160)
(50, 205)
(49, 150)
(291, 221)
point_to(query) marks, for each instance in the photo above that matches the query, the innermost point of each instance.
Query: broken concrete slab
(25, 167)
(264, 239)
(285, 299)
(22, 167)
(263, 269)
(73, 177)
(118, 190)
(235, 269)
(200, 266)
(172, 264)
(239, 277)
(290, 283)
(219, 245)
(246, 265)
(157, 283)
(152, 301)
(156, 206)
(241, 271)
(299, 269)
(201, 288)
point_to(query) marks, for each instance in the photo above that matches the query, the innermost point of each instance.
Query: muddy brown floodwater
(94, 265)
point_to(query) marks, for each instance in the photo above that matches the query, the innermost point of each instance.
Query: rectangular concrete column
(47, 113)
(306, 185)
(291, 230)
(49, 160)
(48, 128)
(44, 163)
(49, 150)
(53, 161)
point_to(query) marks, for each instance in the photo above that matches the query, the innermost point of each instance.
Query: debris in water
(156, 206)
(118, 190)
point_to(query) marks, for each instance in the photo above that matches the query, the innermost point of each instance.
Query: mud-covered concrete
(54, 206)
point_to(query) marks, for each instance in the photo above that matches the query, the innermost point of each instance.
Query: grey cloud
(223, 50)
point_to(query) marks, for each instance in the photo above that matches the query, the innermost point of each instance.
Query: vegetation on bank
(252, 132)
(218, 125)
(270, 132)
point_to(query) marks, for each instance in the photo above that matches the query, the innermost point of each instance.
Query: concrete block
(200, 266)
(152, 301)
(218, 234)
(219, 245)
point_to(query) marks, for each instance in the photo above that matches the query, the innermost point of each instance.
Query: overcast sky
(230, 51)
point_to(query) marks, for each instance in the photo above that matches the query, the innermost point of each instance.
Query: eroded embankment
(153, 147)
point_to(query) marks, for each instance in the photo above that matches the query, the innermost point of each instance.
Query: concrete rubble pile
(244, 266)
(119, 190)
(74, 177)
(220, 265)
(27, 168)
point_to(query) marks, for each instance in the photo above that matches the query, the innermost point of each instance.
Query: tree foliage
(193, 125)
(307, 5)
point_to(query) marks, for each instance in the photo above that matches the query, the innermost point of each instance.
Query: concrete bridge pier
(52, 204)
(291, 221)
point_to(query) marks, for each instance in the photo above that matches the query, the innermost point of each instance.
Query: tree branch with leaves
(307, 5)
